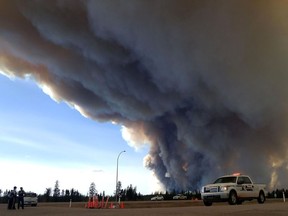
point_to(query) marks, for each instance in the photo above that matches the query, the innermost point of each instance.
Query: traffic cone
(90, 203)
(95, 202)
(122, 205)
(106, 203)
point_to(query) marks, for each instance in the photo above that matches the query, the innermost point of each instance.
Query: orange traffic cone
(90, 203)
(95, 202)
(122, 205)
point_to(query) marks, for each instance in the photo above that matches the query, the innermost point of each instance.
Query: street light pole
(117, 173)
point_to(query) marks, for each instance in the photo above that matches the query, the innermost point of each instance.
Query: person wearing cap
(21, 194)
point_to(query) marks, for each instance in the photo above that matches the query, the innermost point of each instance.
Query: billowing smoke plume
(204, 82)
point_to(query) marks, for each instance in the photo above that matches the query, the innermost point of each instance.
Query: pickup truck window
(244, 180)
(229, 179)
(31, 194)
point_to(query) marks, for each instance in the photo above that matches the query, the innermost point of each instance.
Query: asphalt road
(253, 208)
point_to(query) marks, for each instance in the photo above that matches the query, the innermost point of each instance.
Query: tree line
(278, 193)
(127, 194)
(65, 195)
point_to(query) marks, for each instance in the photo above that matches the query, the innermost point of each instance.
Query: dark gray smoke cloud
(205, 82)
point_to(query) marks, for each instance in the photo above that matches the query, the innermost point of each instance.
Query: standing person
(12, 198)
(21, 194)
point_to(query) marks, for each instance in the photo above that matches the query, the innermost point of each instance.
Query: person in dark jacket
(21, 194)
(9, 195)
(12, 198)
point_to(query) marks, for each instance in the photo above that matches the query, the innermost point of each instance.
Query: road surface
(249, 208)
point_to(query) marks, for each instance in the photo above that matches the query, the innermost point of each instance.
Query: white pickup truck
(30, 198)
(235, 189)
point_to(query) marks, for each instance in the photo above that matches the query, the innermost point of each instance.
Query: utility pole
(116, 191)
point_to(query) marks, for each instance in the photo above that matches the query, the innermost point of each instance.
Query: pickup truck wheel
(232, 198)
(207, 203)
(261, 198)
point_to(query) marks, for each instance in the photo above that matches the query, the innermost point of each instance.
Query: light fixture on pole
(117, 174)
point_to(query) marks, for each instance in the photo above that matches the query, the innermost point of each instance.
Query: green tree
(56, 191)
(118, 188)
(92, 190)
(67, 193)
(47, 194)
(131, 193)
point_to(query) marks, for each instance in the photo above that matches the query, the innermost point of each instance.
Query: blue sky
(43, 141)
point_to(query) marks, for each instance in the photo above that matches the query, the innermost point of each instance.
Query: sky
(195, 89)
(43, 141)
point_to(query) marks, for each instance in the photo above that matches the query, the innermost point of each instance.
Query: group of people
(14, 197)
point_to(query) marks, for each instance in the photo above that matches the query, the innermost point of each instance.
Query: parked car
(157, 198)
(179, 197)
(30, 198)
